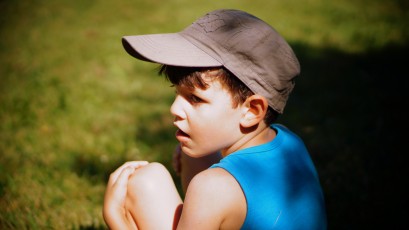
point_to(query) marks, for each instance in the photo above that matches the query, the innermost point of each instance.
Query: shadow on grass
(350, 111)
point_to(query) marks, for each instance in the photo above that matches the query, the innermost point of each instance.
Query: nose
(177, 108)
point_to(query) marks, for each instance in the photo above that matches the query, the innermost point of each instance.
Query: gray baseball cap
(244, 44)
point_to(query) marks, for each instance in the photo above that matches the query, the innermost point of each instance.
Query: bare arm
(214, 200)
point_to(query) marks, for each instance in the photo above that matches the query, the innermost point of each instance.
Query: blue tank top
(280, 183)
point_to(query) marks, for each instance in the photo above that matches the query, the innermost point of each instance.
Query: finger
(115, 194)
(131, 220)
(122, 180)
(134, 164)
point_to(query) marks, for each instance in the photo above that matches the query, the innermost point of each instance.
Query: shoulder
(212, 181)
(213, 176)
(214, 198)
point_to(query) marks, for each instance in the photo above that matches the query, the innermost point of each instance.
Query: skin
(114, 212)
(187, 167)
(207, 123)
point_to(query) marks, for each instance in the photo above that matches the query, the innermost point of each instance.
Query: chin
(193, 153)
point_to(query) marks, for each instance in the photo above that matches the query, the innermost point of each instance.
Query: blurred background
(74, 106)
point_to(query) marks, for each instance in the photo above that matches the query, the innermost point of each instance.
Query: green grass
(74, 105)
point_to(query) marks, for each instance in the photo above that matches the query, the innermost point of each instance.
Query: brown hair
(190, 77)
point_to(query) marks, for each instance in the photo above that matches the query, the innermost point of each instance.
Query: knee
(147, 178)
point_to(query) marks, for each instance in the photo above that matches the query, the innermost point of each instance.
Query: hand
(114, 211)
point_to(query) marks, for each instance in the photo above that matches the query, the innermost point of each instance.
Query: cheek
(219, 127)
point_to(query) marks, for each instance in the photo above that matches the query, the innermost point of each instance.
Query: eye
(194, 99)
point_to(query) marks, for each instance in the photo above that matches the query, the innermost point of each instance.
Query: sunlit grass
(74, 105)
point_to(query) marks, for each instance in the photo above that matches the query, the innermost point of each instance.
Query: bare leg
(152, 199)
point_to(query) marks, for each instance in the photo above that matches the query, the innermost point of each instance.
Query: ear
(255, 108)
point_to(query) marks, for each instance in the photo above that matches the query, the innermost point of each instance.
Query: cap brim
(169, 49)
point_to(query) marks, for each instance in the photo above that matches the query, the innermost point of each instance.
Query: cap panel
(251, 49)
(169, 49)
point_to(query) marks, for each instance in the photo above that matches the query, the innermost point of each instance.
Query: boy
(233, 74)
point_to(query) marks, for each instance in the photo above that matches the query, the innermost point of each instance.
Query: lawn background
(74, 105)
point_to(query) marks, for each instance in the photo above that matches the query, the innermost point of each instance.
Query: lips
(181, 136)
(181, 133)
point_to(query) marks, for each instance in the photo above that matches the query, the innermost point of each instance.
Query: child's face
(206, 119)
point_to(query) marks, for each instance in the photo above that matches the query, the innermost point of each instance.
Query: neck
(260, 135)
